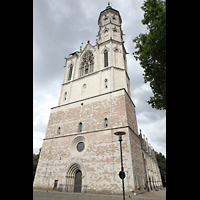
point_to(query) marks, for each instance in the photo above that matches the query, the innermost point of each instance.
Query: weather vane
(108, 2)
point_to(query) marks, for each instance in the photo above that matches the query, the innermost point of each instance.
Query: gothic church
(80, 152)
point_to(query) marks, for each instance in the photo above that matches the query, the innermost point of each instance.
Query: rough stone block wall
(137, 161)
(101, 158)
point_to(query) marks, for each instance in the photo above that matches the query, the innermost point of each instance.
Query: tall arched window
(70, 72)
(105, 58)
(80, 127)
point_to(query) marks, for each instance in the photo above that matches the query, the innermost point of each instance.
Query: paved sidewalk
(56, 195)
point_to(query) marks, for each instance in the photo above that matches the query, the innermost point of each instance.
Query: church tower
(80, 152)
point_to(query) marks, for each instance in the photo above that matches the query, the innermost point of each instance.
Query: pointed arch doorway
(78, 181)
(75, 178)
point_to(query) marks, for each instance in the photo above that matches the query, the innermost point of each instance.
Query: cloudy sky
(59, 27)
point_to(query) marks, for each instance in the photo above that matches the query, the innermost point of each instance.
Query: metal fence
(72, 188)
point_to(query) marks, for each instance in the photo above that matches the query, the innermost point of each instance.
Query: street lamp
(121, 173)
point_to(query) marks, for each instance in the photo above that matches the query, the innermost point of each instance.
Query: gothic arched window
(70, 72)
(87, 64)
(105, 58)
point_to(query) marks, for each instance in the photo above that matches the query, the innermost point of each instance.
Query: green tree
(152, 50)
(35, 162)
(162, 166)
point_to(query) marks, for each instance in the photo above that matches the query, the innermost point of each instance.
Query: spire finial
(108, 3)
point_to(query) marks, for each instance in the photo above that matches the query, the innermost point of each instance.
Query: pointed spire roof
(109, 7)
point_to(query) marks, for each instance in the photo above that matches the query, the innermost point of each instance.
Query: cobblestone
(56, 195)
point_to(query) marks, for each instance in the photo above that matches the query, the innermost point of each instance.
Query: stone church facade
(80, 152)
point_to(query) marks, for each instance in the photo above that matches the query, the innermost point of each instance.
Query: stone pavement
(56, 195)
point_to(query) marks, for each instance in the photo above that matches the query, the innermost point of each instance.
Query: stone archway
(75, 178)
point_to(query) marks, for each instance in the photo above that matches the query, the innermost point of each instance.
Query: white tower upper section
(99, 69)
(109, 25)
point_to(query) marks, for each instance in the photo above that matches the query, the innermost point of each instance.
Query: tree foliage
(152, 50)
(35, 162)
(162, 166)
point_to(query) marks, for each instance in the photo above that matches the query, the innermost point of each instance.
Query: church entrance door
(78, 181)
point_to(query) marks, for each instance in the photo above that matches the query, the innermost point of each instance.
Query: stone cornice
(82, 133)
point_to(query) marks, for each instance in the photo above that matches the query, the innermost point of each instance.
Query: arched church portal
(74, 178)
(78, 181)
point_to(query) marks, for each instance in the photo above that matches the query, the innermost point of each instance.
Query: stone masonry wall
(100, 160)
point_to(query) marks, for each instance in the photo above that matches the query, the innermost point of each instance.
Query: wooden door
(78, 181)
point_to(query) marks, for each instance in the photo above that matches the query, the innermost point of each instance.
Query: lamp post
(121, 173)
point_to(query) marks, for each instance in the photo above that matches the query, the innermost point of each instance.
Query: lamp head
(119, 133)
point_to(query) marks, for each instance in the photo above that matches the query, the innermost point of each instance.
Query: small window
(80, 127)
(106, 17)
(65, 95)
(84, 89)
(86, 71)
(115, 30)
(106, 122)
(106, 30)
(59, 131)
(106, 83)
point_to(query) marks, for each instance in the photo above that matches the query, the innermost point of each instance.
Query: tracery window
(87, 64)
